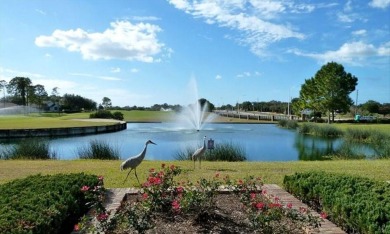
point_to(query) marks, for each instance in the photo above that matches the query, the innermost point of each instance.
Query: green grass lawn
(271, 172)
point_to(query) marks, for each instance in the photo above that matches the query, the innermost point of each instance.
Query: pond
(260, 142)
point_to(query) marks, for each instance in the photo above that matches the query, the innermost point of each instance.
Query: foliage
(328, 91)
(18, 87)
(319, 130)
(358, 205)
(98, 149)
(44, 204)
(97, 219)
(289, 124)
(106, 114)
(75, 103)
(221, 152)
(162, 196)
(371, 106)
(29, 149)
(106, 102)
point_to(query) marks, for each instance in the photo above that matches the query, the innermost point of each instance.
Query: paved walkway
(116, 195)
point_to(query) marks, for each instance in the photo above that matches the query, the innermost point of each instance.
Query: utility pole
(356, 103)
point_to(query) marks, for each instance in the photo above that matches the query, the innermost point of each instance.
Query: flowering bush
(97, 220)
(162, 196)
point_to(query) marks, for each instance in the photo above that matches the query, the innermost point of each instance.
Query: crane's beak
(153, 143)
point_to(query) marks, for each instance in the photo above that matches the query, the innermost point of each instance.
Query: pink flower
(323, 215)
(302, 209)
(176, 205)
(264, 192)
(289, 205)
(76, 228)
(253, 196)
(100, 178)
(277, 199)
(84, 188)
(145, 196)
(179, 189)
(102, 217)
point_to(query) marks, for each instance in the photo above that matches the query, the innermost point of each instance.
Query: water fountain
(18, 110)
(194, 116)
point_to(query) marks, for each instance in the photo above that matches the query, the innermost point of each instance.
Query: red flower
(323, 215)
(76, 228)
(172, 167)
(264, 192)
(259, 205)
(84, 188)
(102, 216)
(302, 209)
(240, 182)
(289, 205)
(100, 178)
(151, 170)
(216, 175)
(163, 165)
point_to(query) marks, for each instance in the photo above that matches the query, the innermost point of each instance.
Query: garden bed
(218, 205)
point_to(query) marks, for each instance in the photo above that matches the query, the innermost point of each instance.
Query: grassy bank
(271, 172)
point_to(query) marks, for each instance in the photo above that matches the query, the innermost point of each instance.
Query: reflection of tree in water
(314, 148)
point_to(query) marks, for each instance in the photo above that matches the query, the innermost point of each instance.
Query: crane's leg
(194, 159)
(135, 170)
(200, 159)
(127, 175)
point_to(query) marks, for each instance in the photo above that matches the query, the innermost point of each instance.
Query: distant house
(52, 107)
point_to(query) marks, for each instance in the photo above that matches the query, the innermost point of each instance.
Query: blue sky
(145, 52)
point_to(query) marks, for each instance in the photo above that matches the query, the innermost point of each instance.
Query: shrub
(106, 114)
(221, 152)
(118, 115)
(98, 149)
(289, 124)
(322, 130)
(44, 204)
(358, 205)
(29, 149)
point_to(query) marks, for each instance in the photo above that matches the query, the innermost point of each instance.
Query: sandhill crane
(134, 161)
(199, 152)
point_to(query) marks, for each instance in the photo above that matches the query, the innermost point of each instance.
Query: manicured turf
(271, 172)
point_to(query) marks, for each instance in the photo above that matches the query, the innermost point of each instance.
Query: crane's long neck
(144, 152)
(204, 143)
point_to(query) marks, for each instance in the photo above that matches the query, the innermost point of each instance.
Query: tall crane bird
(134, 161)
(199, 152)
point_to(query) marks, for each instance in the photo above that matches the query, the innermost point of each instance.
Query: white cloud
(218, 77)
(123, 40)
(134, 70)
(249, 19)
(361, 32)
(380, 3)
(354, 53)
(115, 70)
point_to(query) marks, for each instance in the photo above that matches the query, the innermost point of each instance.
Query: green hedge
(43, 204)
(358, 205)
